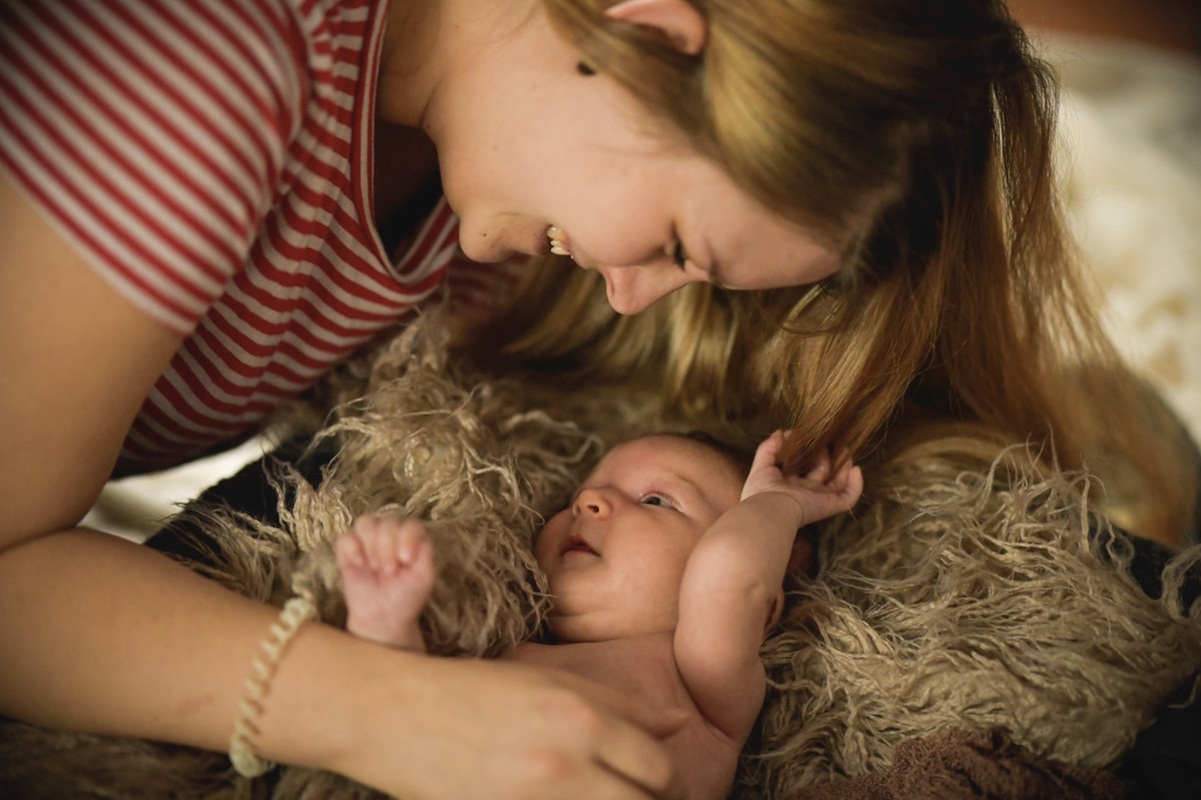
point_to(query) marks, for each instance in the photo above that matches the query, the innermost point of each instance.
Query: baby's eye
(657, 500)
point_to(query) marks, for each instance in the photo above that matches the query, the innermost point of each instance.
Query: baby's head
(615, 556)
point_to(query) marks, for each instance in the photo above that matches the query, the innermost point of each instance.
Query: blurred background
(1131, 162)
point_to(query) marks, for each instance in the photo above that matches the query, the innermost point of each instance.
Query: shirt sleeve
(152, 133)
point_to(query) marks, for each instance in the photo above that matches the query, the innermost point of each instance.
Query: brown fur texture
(966, 593)
(970, 598)
(982, 765)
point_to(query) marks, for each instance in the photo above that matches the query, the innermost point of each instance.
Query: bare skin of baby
(665, 571)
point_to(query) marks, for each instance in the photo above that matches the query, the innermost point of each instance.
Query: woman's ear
(679, 20)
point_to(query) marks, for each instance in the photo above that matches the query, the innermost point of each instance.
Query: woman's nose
(633, 289)
(592, 503)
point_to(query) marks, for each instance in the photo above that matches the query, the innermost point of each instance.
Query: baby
(665, 571)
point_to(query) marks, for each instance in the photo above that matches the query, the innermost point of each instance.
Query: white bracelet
(300, 609)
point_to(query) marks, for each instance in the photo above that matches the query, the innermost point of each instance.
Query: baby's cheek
(545, 539)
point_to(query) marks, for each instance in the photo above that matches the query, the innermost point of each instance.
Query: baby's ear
(680, 21)
(800, 562)
(801, 559)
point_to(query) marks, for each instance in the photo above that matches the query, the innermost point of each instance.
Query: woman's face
(526, 142)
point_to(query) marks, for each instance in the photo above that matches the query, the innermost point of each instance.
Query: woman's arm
(104, 636)
(77, 359)
(732, 583)
(100, 635)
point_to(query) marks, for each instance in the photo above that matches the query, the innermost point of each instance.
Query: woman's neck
(410, 60)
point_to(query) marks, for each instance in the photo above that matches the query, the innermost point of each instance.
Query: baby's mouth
(576, 544)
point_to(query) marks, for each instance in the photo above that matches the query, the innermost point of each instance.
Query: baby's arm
(388, 572)
(734, 577)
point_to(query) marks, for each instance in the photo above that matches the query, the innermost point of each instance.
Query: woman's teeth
(555, 234)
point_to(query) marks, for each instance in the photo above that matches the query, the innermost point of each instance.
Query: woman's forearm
(107, 637)
(104, 636)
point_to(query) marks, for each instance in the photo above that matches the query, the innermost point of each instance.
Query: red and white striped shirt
(213, 161)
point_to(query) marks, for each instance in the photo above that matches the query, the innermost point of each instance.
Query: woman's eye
(678, 255)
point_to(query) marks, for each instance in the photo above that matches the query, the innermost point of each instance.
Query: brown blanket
(953, 764)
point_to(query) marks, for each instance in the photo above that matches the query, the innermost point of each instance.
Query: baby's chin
(581, 629)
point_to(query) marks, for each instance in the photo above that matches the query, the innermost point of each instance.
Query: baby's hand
(387, 568)
(821, 493)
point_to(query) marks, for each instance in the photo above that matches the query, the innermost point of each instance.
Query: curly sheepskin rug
(970, 593)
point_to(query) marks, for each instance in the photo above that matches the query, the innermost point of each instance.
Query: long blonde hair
(917, 133)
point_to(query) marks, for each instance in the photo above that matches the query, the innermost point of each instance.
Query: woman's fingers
(635, 758)
(611, 734)
(526, 732)
(657, 721)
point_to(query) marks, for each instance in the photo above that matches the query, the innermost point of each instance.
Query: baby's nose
(592, 503)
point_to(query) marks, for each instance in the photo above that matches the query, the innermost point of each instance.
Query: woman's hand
(435, 728)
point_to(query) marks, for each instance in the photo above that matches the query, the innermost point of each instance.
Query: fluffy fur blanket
(973, 594)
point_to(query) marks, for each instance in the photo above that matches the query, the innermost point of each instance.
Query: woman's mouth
(559, 244)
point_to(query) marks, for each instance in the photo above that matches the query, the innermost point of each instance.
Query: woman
(203, 209)
(922, 152)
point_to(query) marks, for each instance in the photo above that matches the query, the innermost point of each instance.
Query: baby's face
(615, 556)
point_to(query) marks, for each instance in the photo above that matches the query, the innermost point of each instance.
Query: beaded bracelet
(298, 610)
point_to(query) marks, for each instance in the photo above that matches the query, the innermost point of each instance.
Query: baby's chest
(642, 668)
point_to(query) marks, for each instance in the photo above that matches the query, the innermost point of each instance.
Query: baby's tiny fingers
(768, 451)
(349, 549)
(853, 485)
(820, 471)
(409, 543)
(844, 470)
(379, 544)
